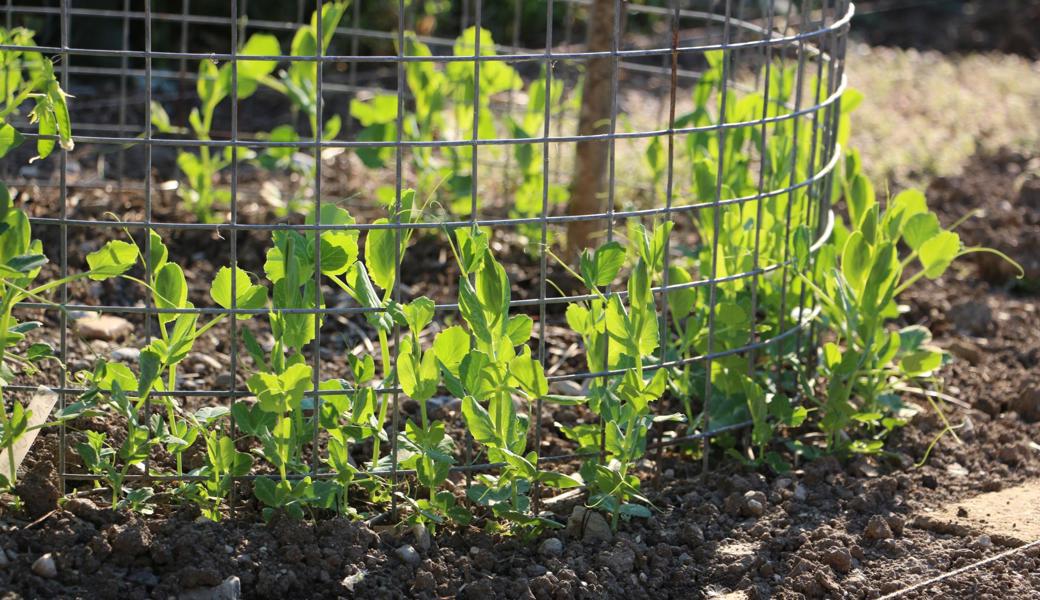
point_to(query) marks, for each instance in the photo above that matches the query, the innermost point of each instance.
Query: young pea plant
(444, 99)
(425, 446)
(299, 83)
(349, 417)
(200, 192)
(857, 281)
(619, 337)
(178, 331)
(529, 189)
(284, 377)
(28, 75)
(487, 374)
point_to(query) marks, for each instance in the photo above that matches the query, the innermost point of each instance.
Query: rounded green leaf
(937, 253)
(113, 259)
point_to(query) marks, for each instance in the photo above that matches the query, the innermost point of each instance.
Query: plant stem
(384, 348)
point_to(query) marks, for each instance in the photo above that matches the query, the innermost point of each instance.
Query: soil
(861, 529)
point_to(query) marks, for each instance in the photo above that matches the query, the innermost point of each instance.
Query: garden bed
(822, 530)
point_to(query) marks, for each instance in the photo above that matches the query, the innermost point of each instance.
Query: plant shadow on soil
(824, 530)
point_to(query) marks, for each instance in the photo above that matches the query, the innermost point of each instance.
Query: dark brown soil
(824, 530)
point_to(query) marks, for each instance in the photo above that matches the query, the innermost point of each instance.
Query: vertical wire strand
(713, 283)
(543, 249)
(834, 82)
(669, 193)
(148, 204)
(124, 68)
(232, 495)
(316, 134)
(763, 168)
(399, 173)
(63, 319)
(811, 191)
(792, 180)
(611, 173)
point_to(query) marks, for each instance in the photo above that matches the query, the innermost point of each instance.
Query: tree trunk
(590, 162)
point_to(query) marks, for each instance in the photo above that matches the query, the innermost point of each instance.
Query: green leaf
(450, 346)
(10, 138)
(113, 259)
(248, 295)
(339, 248)
(418, 314)
(478, 421)
(529, 374)
(937, 253)
(600, 268)
(472, 247)
(518, 329)
(418, 377)
(151, 368)
(855, 260)
(251, 71)
(380, 255)
(921, 362)
(901, 209)
(919, 229)
(801, 247)
(171, 291)
(860, 199)
(379, 110)
(279, 393)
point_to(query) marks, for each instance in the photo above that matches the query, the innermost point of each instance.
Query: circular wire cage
(555, 125)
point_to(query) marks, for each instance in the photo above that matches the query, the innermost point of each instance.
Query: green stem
(384, 348)
(5, 322)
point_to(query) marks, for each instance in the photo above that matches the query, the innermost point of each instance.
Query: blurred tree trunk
(590, 162)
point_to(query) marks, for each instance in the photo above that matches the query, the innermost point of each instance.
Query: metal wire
(742, 30)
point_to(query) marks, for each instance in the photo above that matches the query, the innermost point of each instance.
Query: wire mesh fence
(430, 196)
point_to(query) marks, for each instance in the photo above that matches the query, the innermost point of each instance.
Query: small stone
(3, 559)
(535, 570)
(104, 327)
(754, 504)
(127, 355)
(589, 525)
(966, 350)
(896, 523)
(45, 566)
(143, 577)
(877, 529)
(352, 580)
(205, 361)
(408, 555)
(223, 381)
(983, 541)
(551, 547)
(1027, 402)
(422, 537)
(621, 560)
(229, 589)
(956, 470)
(85, 510)
(840, 559)
(440, 404)
(693, 536)
(801, 493)
(424, 581)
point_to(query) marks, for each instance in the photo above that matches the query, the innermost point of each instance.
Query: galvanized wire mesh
(118, 58)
